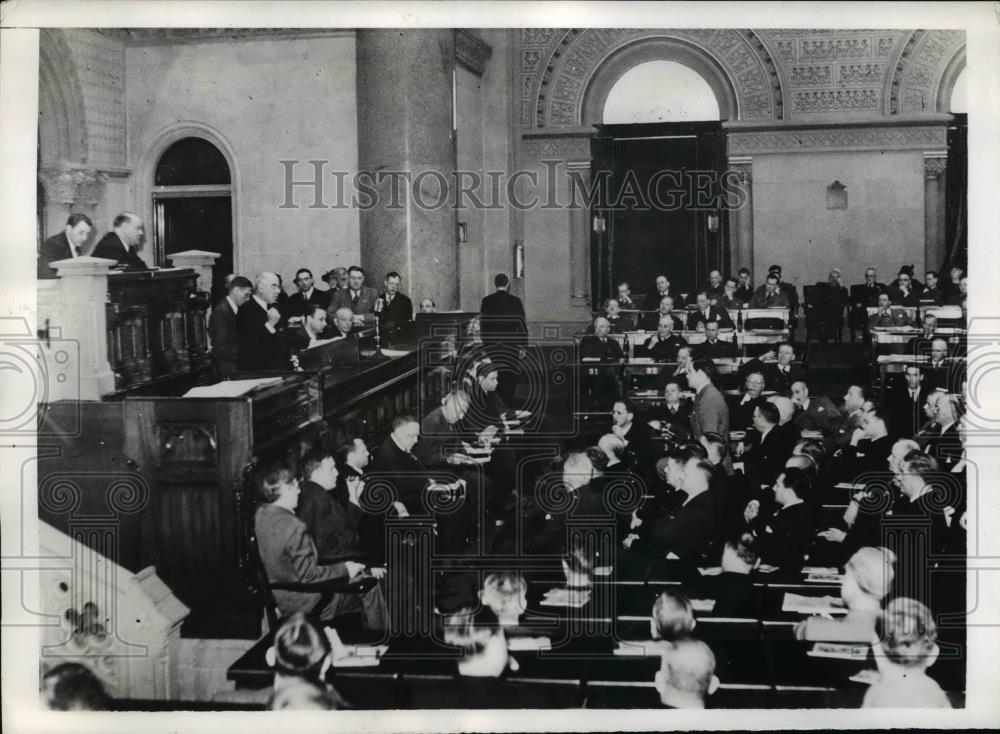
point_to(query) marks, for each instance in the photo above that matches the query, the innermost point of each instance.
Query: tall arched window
(192, 205)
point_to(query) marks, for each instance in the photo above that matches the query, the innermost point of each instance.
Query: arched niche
(660, 91)
(61, 117)
(953, 89)
(609, 73)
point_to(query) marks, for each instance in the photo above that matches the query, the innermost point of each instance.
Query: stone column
(60, 193)
(200, 261)
(405, 124)
(741, 215)
(83, 329)
(90, 191)
(935, 165)
(579, 240)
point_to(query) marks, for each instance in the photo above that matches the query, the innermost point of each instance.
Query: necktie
(354, 296)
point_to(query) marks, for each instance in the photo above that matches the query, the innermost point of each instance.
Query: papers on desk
(642, 360)
(810, 604)
(839, 651)
(566, 598)
(602, 570)
(641, 648)
(824, 578)
(360, 656)
(812, 434)
(817, 570)
(849, 485)
(645, 394)
(866, 677)
(523, 644)
(230, 388)
(395, 352)
(703, 605)
(710, 571)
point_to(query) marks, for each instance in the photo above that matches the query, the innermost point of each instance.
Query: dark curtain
(956, 197)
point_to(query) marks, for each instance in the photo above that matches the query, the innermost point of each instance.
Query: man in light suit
(710, 414)
(121, 243)
(814, 413)
(223, 329)
(358, 297)
(65, 245)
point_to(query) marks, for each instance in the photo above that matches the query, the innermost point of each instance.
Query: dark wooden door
(660, 204)
(197, 223)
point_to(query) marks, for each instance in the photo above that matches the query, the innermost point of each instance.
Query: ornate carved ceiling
(773, 75)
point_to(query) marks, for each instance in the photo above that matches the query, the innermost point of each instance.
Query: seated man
(619, 324)
(940, 438)
(312, 330)
(686, 677)
(768, 447)
(769, 295)
(673, 616)
(743, 416)
(715, 288)
(932, 293)
(904, 292)
(635, 434)
(780, 373)
(745, 289)
(688, 533)
(625, 297)
(786, 289)
(713, 347)
(680, 373)
(863, 296)
(358, 297)
(333, 528)
(663, 345)
(784, 538)
(921, 343)
(289, 553)
(707, 312)
(343, 323)
(730, 297)
(660, 290)
(888, 316)
(814, 413)
(958, 293)
(306, 296)
(64, 245)
(940, 371)
(651, 321)
(869, 445)
(428, 306)
(599, 345)
(673, 416)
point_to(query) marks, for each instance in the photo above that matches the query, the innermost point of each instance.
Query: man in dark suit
(769, 447)
(904, 403)
(674, 414)
(932, 293)
(599, 345)
(65, 245)
(814, 412)
(787, 289)
(504, 332)
(713, 347)
(921, 343)
(941, 438)
(343, 323)
(651, 321)
(744, 290)
(710, 413)
(707, 312)
(751, 398)
(904, 293)
(715, 288)
(393, 307)
(222, 327)
(663, 345)
(313, 329)
(121, 243)
(864, 296)
(769, 295)
(307, 295)
(869, 446)
(661, 288)
(938, 371)
(635, 433)
(261, 347)
(358, 297)
(689, 531)
(780, 374)
(398, 461)
(784, 538)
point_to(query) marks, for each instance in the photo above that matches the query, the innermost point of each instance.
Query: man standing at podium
(65, 245)
(257, 322)
(121, 243)
(504, 332)
(222, 326)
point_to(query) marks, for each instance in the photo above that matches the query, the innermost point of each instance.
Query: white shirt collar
(308, 294)
(261, 302)
(232, 305)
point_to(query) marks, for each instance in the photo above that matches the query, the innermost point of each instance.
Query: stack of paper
(811, 604)
(358, 656)
(394, 352)
(230, 388)
(566, 598)
(703, 605)
(521, 644)
(641, 648)
(824, 578)
(838, 650)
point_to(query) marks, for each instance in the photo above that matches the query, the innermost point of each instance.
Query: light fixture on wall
(713, 223)
(463, 233)
(599, 224)
(836, 196)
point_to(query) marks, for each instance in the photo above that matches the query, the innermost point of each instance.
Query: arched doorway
(659, 112)
(192, 205)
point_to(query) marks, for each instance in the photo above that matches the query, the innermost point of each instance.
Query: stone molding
(837, 139)
(471, 51)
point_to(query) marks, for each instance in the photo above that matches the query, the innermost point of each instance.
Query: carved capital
(90, 186)
(60, 185)
(935, 165)
(742, 166)
(471, 51)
